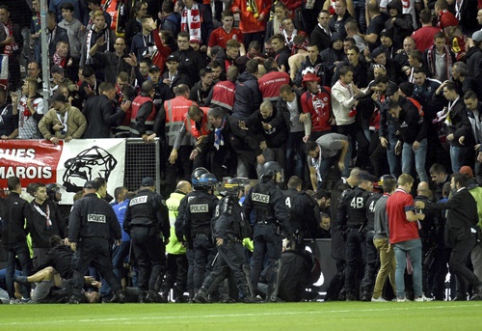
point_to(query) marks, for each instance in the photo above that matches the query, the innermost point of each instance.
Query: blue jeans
(21, 251)
(359, 7)
(420, 154)
(414, 250)
(295, 157)
(393, 160)
(325, 164)
(457, 157)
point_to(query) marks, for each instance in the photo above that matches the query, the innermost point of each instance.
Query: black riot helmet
(196, 175)
(232, 186)
(270, 169)
(53, 192)
(208, 181)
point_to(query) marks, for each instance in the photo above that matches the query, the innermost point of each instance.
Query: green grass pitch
(390, 316)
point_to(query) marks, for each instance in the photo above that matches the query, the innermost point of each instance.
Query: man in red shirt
(424, 36)
(221, 35)
(403, 229)
(445, 19)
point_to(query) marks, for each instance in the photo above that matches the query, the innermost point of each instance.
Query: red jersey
(220, 37)
(400, 229)
(319, 106)
(446, 19)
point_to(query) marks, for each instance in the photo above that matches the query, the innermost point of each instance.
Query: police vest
(191, 125)
(260, 196)
(142, 209)
(223, 95)
(175, 110)
(355, 204)
(136, 104)
(200, 211)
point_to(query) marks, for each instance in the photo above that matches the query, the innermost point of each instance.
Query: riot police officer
(194, 223)
(146, 217)
(230, 228)
(91, 223)
(353, 220)
(271, 225)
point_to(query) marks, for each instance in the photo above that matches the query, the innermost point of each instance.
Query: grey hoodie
(75, 34)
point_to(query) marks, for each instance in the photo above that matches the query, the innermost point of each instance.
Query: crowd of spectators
(390, 87)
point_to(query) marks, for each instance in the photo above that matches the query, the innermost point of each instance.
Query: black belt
(264, 222)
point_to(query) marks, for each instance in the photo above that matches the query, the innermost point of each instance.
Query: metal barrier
(142, 160)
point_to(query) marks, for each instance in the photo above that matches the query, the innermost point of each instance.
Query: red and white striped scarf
(194, 27)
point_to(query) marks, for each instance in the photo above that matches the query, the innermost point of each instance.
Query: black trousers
(204, 254)
(176, 275)
(266, 243)
(93, 251)
(149, 251)
(359, 142)
(462, 241)
(182, 163)
(355, 257)
(371, 255)
(230, 258)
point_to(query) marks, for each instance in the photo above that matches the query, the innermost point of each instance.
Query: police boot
(201, 296)
(142, 297)
(272, 292)
(119, 297)
(365, 295)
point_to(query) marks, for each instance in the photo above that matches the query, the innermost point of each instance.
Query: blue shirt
(120, 211)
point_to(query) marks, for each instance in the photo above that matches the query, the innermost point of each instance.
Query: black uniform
(352, 217)
(14, 239)
(44, 222)
(146, 217)
(231, 226)
(371, 252)
(194, 221)
(271, 219)
(92, 224)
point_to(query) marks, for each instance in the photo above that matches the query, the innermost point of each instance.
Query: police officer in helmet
(271, 226)
(196, 211)
(91, 223)
(230, 228)
(146, 218)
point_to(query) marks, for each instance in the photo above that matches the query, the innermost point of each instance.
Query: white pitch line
(135, 319)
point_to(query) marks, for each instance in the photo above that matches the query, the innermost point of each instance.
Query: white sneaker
(379, 299)
(403, 300)
(423, 298)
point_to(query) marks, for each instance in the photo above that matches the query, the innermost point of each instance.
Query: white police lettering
(97, 218)
(138, 200)
(258, 197)
(204, 208)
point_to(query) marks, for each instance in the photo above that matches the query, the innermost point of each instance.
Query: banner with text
(67, 164)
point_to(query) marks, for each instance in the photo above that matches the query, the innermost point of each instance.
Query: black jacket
(460, 125)
(248, 96)
(16, 210)
(60, 257)
(413, 127)
(320, 38)
(190, 63)
(93, 217)
(101, 115)
(37, 224)
(319, 70)
(403, 25)
(277, 136)
(462, 212)
(282, 57)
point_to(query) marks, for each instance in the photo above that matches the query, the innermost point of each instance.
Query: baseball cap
(387, 33)
(154, 68)
(90, 184)
(172, 57)
(367, 176)
(148, 181)
(56, 69)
